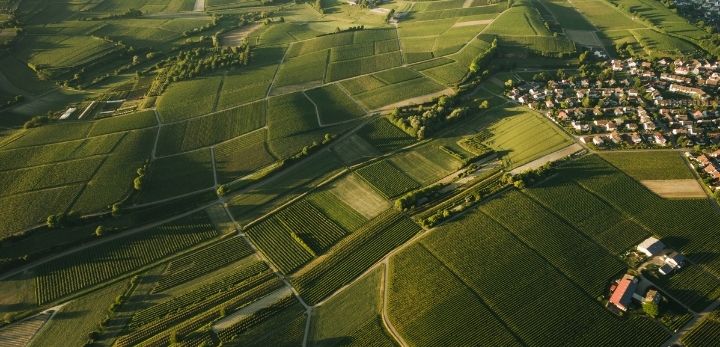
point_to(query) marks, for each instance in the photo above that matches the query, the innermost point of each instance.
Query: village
(637, 104)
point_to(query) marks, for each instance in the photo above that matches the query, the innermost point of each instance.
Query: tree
(509, 84)
(586, 102)
(54, 221)
(220, 191)
(651, 308)
(99, 231)
(116, 209)
(138, 183)
(484, 104)
(560, 74)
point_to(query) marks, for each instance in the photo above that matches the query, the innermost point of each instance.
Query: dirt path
(386, 321)
(562, 153)
(467, 3)
(20, 334)
(248, 310)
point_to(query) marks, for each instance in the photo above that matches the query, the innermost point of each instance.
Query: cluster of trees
(419, 196)
(139, 180)
(131, 13)
(530, 177)
(422, 120)
(192, 63)
(469, 200)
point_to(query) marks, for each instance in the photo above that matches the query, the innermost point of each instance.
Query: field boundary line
(272, 82)
(214, 167)
(218, 93)
(317, 112)
(153, 154)
(213, 145)
(540, 255)
(475, 294)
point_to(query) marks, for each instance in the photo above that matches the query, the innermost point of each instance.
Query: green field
(651, 166)
(339, 173)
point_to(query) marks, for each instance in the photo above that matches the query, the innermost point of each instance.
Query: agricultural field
(387, 179)
(237, 173)
(353, 316)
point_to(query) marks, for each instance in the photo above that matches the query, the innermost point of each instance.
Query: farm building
(622, 295)
(651, 246)
(672, 262)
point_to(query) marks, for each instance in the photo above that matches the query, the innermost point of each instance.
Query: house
(622, 296)
(649, 126)
(703, 160)
(598, 141)
(636, 139)
(660, 139)
(694, 92)
(631, 126)
(715, 154)
(615, 137)
(651, 246)
(611, 126)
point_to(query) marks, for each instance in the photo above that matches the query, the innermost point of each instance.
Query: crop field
(183, 173)
(426, 164)
(281, 245)
(352, 256)
(334, 105)
(657, 44)
(189, 99)
(650, 166)
(70, 274)
(357, 194)
(519, 135)
(209, 130)
(384, 136)
(290, 114)
(352, 317)
(286, 185)
(387, 179)
(68, 51)
(139, 120)
(315, 229)
(520, 297)
(236, 182)
(305, 69)
(594, 217)
(604, 16)
(354, 149)
(561, 245)
(66, 174)
(704, 334)
(242, 156)
(204, 261)
(252, 82)
(350, 68)
(378, 94)
(77, 319)
(681, 223)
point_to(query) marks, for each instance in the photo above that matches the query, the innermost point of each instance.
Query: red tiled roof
(622, 294)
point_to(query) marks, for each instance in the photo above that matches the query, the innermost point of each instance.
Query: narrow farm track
(385, 319)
